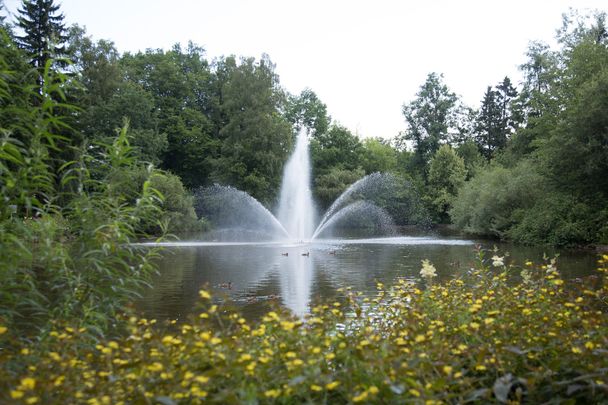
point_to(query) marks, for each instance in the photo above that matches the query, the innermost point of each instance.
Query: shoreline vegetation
(500, 333)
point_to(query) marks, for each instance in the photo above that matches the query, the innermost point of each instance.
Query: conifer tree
(497, 119)
(43, 31)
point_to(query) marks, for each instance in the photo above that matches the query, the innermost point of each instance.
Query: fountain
(296, 209)
(235, 213)
(249, 243)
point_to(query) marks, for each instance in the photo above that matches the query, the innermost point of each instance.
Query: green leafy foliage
(255, 138)
(559, 154)
(306, 110)
(378, 156)
(486, 205)
(65, 249)
(447, 173)
(336, 148)
(177, 213)
(329, 186)
(429, 118)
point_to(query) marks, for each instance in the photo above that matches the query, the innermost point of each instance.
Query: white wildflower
(497, 261)
(428, 270)
(526, 276)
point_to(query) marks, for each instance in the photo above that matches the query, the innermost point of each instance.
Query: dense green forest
(529, 164)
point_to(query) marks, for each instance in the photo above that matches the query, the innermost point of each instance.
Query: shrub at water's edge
(500, 333)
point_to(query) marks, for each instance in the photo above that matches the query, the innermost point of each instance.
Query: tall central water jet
(296, 208)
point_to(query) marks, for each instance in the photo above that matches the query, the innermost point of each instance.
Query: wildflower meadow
(499, 333)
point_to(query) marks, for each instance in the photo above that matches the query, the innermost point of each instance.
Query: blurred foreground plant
(65, 251)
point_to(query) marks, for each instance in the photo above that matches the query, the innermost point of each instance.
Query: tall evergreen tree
(43, 31)
(506, 94)
(488, 123)
(2, 17)
(497, 118)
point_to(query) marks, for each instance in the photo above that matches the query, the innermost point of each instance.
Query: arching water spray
(365, 186)
(360, 211)
(233, 209)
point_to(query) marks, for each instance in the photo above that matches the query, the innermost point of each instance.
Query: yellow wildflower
(287, 325)
(361, 397)
(201, 379)
(244, 358)
(156, 366)
(316, 388)
(204, 294)
(274, 393)
(332, 385)
(3, 330)
(414, 392)
(16, 394)
(28, 383)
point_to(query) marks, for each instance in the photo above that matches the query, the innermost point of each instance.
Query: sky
(363, 59)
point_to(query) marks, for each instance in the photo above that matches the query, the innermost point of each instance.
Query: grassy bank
(497, 333)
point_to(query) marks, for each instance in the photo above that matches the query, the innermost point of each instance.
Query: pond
(256, 276)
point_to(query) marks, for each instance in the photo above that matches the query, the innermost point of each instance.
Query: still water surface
(297, 275)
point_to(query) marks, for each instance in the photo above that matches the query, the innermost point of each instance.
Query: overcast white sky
(364, 59)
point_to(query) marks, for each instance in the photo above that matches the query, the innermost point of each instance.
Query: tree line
(529, 164)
